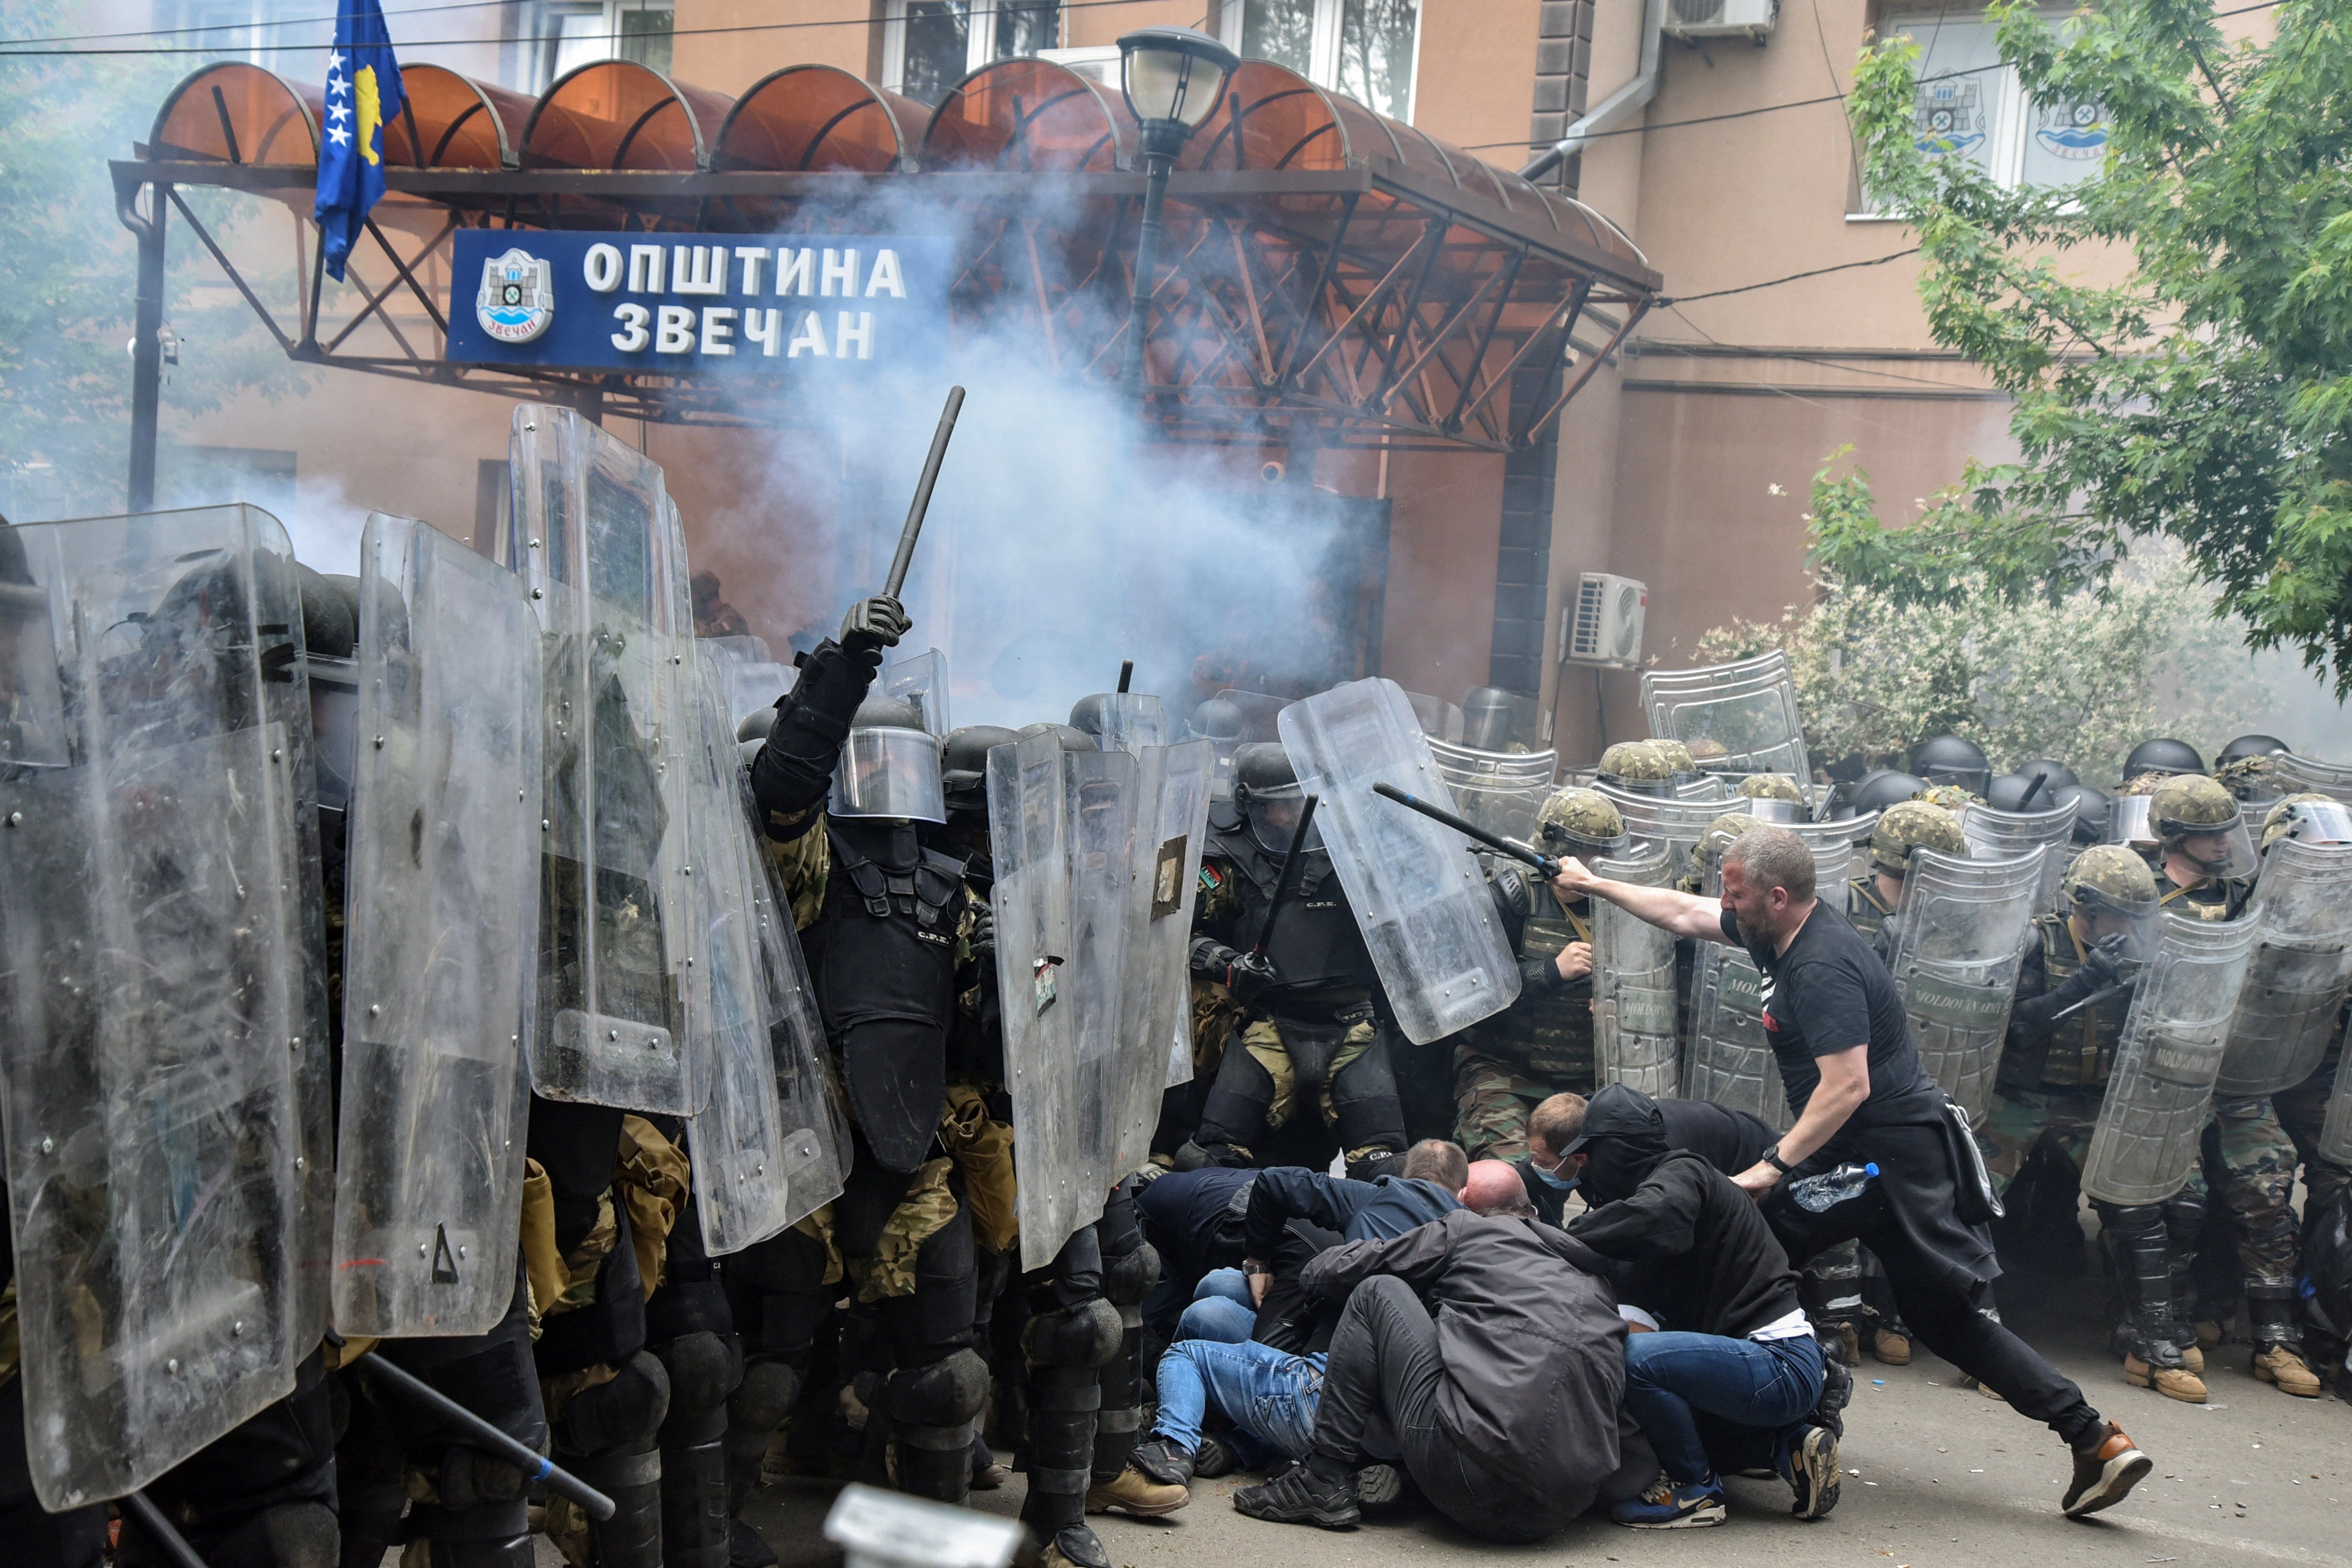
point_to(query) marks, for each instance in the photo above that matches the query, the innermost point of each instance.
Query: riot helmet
(1950, 796)
(2090, 805)
(963, 766)
(2307, 818)
(2162, 757)
(1494, 720)
(2256, 781)
(1581, 822)
(2197, 818)
(2006, 793)
(1721, 835)
(1219, 721)
(1678, 756)
(1950, 760)
(1878, 791)
(889, 765)
(1913, 824)
(2251, 746)
(2055, 775)
(1071, 738)
(1266, 787)
(1091, 716)
(1637, 767)
(2108, 885)
(1770, 786)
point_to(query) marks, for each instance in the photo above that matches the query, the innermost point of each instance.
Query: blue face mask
(1554, 1180)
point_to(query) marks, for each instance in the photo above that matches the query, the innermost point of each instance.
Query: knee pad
(1078, 1268)
(946, 1295)
(290, 1535)
(1129, 1279)
(948, 1391)
(765, 1396)
(1120, 1227)
(627, 1410)
(471, 1478)
(1086, 1335)
(1372, 1166)
(703, 1370)
(1238, 1105)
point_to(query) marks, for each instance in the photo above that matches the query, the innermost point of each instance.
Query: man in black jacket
(1501, 1403)
(1733, 1341)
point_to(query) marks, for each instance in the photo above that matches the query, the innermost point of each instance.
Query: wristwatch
(1773, 1157)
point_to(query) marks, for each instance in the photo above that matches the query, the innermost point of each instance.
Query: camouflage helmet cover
(2139, 784)
(1951, 797)
(1720, 835)
(1581, 822)
(2250, 778)
(1770, 786)
(2112, 877)
(1640, 762)
(1679, 757)
(2187, 803)
(1914, 825)
(2283, 816)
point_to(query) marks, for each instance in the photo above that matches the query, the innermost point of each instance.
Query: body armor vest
(1549, 1034)
(2081, 1051)
(882, 961)
(1317, 949)
(2211, 899)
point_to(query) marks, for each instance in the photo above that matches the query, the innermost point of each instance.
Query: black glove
(872, 624)
(2111, 963)
(983, 934)
(1248, 974)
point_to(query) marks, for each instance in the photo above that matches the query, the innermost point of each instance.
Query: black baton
(534, 1466)
(1542, 862)
(170, 1542)
(908, 535)
(1288, 882)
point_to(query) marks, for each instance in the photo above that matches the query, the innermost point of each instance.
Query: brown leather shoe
(2104, 1472)
(2172, 1382)
(1132, 1491)
(2283, 1367)
(1891, 1347)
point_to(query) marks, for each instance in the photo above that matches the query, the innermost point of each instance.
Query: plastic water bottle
(1831, 1188)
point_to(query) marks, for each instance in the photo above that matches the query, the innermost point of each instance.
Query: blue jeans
(1265, 1393)
(1221, 1308)
(1766, 1383)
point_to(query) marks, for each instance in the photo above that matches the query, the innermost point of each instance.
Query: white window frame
(980, 46)
(543, 66)
(1323, 43)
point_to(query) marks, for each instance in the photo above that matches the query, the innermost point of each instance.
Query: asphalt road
(1945, 1477)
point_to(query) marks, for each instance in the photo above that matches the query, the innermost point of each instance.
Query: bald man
(1494, 1187)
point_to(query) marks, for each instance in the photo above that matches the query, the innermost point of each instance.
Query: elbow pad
(1211, 958)
(794, 769)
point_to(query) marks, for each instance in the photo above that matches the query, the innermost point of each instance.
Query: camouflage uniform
(2303, 1109)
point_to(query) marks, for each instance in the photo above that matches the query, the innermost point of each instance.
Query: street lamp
(1174, 79)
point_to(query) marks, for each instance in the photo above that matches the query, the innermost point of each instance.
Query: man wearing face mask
(1851, 1073)
(1727, 1138)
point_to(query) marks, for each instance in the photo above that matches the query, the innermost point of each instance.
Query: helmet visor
(889, 773)
(1273, 815)
(2312, 822)
(2127, 822)
(1779, 812)
(2220, 851)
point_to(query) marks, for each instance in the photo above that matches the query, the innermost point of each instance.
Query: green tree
(2206, 399)
(2083, 675)
(68, 278)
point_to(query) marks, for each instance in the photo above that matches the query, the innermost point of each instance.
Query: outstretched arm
(1685, 914)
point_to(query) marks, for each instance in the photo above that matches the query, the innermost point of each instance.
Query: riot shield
(2161, 1087)
(1030, 849)
(1748, 708)
(2336, 1127)
(1634, 1005)
(1131, 720)
(616, 919)
(162, 1071)
(1499, 791)
(1172, 784)
(439, 989)
(1260, 713)
(2002, 835)
(1676, 825)
(2309, 775)
(754, 679)
(1964, 924)
(1707, 786)
(1731, 1060)
(1419, 900)
(1439, 720)
(2299, 973)
(922, 681)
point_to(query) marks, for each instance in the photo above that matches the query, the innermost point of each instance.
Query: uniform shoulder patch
(1212, 877)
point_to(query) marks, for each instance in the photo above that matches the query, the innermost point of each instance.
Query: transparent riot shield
(1964, 924)
(1707, 786)
(922, 681)
(162, 1060)
(1131, 720)
(2162, 1084)
(439, 984)
(1747, 708)
(1172, 784)
(1500, 791)
(2300, 972)
(753, 677)
(1634, 1005)
(1419, 899)
(2004, 834)
(1029, 844)
(1439, 720)
(2309, 775)
(2336, 1127)
(1731, 1060)
(617, 920)
(1261, 714)
(738, 1141)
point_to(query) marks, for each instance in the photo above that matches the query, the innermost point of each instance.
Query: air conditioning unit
(1604, 626)
(1721, 18)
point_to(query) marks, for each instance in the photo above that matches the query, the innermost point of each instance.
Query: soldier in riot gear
(1306, 1015)
(2203, 865)
(1542, 1044)
(2303, 1110)
(1950, 796)
(1950, 760)
(2090, 804)
(2072, 994)
(1881, 790)
(1638, 767)
(886, 922)
(2251, 746)
(2162, 757)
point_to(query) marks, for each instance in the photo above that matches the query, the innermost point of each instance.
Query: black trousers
(1379, 1401)
(1946, 1320)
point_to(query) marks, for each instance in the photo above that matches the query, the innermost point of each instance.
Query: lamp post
(1174, 79)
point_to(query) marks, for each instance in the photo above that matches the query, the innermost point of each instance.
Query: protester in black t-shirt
(1853, 1078)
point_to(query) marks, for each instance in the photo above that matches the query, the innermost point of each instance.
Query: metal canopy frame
(1362, 306)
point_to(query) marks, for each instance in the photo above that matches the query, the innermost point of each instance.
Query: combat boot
(2278, 1341)
(2172, 1382)
(2281, 1367)
(1133, 1492)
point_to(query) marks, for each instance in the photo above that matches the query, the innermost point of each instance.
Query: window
(1364, 49)
(245, 29)
(569, 34)
(928, 45)
(1971, 106)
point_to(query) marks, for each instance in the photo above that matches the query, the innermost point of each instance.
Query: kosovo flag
(363, 92)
